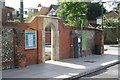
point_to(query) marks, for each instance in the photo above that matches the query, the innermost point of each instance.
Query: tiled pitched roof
(44, 11)
(55, 7)
(111, 14)
(9, 7)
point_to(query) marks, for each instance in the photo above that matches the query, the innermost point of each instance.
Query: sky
(29, 3)
(34, 3)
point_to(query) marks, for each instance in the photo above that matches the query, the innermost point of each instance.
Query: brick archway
(61, 39)
(53, 23)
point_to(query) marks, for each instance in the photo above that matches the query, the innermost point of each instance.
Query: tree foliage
(113, 23)
(119, 11)
(14, 20)
(112, 29)
(94, 11)
(72, 12)
(110, 36)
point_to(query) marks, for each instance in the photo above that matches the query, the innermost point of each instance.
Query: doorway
(48, 40)
(50, 46)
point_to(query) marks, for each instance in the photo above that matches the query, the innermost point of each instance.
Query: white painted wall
(2, 3)
(99, 21)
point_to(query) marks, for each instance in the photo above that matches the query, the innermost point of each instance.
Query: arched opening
(49, 43)
(48, 39)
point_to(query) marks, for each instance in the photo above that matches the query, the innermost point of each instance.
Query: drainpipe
(102, 15)
(81, 36)
(21, 11)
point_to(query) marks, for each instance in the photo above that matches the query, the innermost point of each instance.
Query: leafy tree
(94, 11)
(119, 11)
(119, 23)
(112, 23)
(112, 28)
(72, 12)
(110, 36)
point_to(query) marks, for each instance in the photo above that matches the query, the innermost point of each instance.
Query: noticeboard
(30, 40)
(83, 40)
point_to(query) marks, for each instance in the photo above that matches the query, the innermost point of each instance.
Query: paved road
(111, 72)
(111, 50)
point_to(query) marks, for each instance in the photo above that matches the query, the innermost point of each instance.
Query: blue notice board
(30, 40)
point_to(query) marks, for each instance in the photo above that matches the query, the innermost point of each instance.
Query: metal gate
(77, 47)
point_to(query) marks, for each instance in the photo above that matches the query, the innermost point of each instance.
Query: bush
(110, 36)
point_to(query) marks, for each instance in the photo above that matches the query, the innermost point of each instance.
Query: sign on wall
(30, 40)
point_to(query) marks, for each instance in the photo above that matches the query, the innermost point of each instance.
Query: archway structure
(53, 23)
(61, 39)
(34, 38)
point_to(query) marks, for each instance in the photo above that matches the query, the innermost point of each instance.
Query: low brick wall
(65, 38)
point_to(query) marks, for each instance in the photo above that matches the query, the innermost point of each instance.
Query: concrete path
(67, 68)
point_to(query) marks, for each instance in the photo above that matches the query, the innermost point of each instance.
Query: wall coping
(42, 16)
(22, 26)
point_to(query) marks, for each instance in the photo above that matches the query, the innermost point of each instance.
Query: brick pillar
(39, 44)
(57, 46)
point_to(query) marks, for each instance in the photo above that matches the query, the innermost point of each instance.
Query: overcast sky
(33, 3)
(29, 3)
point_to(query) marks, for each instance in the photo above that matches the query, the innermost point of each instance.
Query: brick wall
(39, 36)
(32, 56)
(99, 39)
(24, 56)
(65, 41)
(5, 11)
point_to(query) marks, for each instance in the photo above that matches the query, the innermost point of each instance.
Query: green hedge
(110, 35)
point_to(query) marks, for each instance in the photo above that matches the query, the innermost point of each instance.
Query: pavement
(67, 68)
